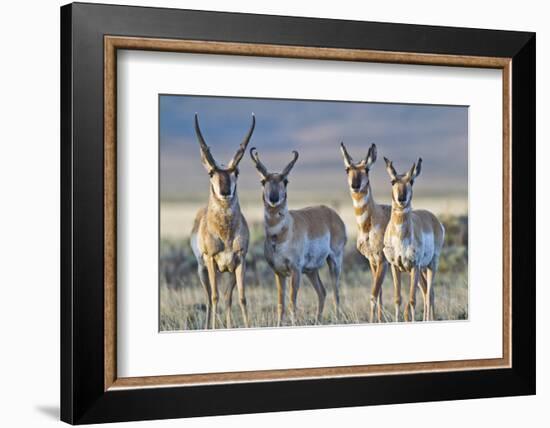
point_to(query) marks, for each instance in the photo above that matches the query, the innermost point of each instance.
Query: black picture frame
(83, 399)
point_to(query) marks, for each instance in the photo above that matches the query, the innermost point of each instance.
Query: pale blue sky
(438, 134)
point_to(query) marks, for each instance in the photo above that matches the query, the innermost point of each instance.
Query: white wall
(29, 230)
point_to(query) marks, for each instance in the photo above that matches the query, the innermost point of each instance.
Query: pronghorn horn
(258, 163)
(347, 158)
(390, 169)
(205, 150)
(371, 156)
(288, 168)
(239, 155)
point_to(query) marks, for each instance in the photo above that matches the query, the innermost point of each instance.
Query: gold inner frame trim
(113, 43)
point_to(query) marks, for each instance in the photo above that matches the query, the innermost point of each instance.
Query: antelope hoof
(213, 323)
(337, 313)
(228, 320)
(373, 305)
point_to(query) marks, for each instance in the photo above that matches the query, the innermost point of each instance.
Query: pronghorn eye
(211, 173)
(236, 173)
(263, 182)
(285, 181)
(347, 169)
(393, 182)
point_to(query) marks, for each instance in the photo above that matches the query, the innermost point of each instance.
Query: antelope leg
(281, 284)
(212, 277)
(239, 275)
(335, 268)
(321, 293)
(396, 275)
(229, 300)
(203, 277)
(412, 293)
(294, 286)
(430, 275)
(380, 273)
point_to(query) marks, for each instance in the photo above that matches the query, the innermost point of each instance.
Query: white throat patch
(362, 202)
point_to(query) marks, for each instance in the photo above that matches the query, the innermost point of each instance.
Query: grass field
(183, 304)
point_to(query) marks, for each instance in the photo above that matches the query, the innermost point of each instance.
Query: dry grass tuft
(183, 304)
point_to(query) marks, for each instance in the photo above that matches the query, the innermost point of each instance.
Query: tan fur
(315, 222)
(413, 241)
(297, 249)
(371, 219)
(299, 241)
(220, 235)
(222, 228)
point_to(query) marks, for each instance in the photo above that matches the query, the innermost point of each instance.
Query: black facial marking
(225, 184)
(273, 196)
(356, 181)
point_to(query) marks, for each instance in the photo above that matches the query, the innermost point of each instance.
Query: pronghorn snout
(225, 189)
(356, 184)
(273, 197)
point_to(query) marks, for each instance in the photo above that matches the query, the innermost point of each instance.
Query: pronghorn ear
(415, 170)
(207, 164)
(345, 155)
(390, 169)
(371, 156)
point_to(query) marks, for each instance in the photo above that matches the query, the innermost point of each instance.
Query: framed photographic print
(265, 213)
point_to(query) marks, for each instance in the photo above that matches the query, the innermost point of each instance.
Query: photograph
(295, 213)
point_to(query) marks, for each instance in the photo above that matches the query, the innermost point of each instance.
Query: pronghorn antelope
(299, 241)
(220, 233)
(372, 220)
(413, 240)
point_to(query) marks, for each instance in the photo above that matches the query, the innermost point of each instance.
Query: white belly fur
(316, 253)
(195, 247)
(411, 253)
(311, 256)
